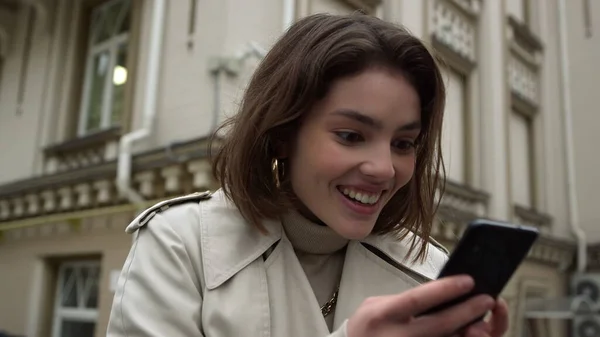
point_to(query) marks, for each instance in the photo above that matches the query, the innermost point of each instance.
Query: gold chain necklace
(328, 307)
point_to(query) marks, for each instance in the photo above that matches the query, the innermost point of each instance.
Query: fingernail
(488, 303)
(465, 282)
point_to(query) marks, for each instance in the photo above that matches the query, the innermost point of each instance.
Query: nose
(379, 164)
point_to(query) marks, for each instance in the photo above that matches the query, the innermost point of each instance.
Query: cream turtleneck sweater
(321, 252)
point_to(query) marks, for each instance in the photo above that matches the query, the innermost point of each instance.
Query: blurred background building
(106, 106)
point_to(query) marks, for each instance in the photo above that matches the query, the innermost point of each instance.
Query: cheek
(320, 159)
(405, 168)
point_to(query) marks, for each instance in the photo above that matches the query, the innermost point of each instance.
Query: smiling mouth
(360, 197)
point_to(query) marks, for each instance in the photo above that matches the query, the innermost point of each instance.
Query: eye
(349, 136)
(404, 145)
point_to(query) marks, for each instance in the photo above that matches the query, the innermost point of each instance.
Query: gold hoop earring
(275, 171)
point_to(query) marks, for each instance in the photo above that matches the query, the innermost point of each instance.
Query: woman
(330, 167)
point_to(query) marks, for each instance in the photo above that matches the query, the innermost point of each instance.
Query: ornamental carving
(454, 27)
(523, 80)
(155, 175)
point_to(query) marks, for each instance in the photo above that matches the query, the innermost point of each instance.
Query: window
(521, 159)
(454, 131)
(76, 302)
(533, 327)
(106, 70)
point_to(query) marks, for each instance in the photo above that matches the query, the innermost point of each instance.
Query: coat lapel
(295, 310)
(376, 267)
(246, 295)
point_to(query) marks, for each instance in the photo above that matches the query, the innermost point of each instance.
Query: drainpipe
(569, 149)
(149, 108)
(231, 66)
(289, 13)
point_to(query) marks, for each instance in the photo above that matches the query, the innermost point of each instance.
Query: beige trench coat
(196, 268)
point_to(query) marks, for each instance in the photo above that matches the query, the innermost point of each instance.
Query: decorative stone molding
(172, 176)
(32, 204)
(523, 36)
(531, 217)
(454, 27)
(18, 207)
(201, 174)
(552, 251)
(156, 175)
(523, 80)
(65, 198)
(49, 197)
(94, 149)
(459, 205)
(4, 209)
(523, 66)
(104, 190)
(147, 181)
(465, 200)
(84, 195)
(367, 6)
(472, 7)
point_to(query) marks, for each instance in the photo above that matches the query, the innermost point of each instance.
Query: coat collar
(229, 244)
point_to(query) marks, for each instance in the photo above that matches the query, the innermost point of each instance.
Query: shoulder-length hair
(295, 74)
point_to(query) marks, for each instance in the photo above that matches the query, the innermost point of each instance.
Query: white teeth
(362, 197)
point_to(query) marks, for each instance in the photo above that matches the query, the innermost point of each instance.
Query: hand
(495, 327)
(394, 315)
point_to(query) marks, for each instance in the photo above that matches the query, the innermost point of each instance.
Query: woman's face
(355, 149)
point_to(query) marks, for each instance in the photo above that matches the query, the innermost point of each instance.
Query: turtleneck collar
(309, 237)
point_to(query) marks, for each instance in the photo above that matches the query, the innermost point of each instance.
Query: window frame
(73, 22)
(111, 45)
(74, 314)
(466, 113)
(527, 287)
(530, 119)
(465, 64)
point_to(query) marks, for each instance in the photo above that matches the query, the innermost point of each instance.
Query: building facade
(106, 107)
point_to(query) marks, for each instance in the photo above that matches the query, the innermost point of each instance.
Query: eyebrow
(372, 122)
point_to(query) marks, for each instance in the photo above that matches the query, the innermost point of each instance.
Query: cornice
(163, 172)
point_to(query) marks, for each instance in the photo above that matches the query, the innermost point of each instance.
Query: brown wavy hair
(296, 73)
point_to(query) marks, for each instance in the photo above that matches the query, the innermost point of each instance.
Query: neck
(310, 236)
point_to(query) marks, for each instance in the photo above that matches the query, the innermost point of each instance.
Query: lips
(366, 198)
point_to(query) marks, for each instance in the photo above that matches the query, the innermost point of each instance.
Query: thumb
(499, 321)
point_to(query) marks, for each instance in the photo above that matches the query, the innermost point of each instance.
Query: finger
(499, 321)
(454, 318)
(476, 333)
(482, 326)
(478, 329)
(421, 298)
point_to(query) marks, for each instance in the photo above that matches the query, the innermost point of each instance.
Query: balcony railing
(90, 183)
(459, 205)
(532, 217)
(78, 153)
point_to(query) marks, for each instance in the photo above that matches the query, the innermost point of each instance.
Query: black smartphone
(490, 252)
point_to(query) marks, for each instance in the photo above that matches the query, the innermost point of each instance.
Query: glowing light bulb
(119, 75)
